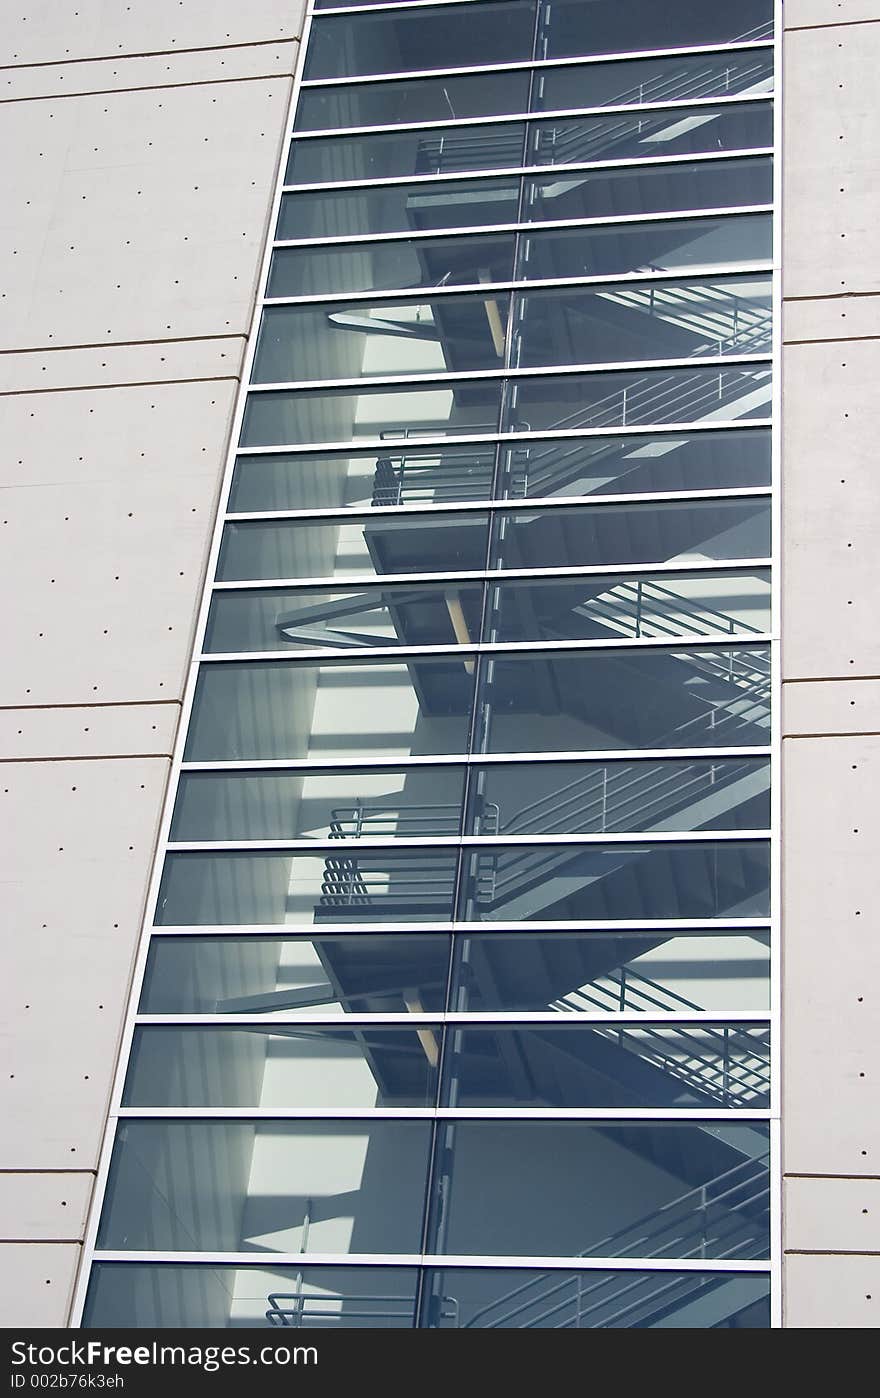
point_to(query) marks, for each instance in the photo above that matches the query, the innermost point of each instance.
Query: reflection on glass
(360, 974)
(646, 135)
(654, 605)
(335, 710)
(400, 337)
(647, 971)
(260, 805)
(410, 474)
(573, 27)
(286, 1186)
(691, 1066)
(571, 798)
(316, 619)
(282, 1066)
(400, 208)
(415, 100)
(683, 77)
(592, 883)
(483, 1298)
(164, 1296)
(660, 320)
(605, 1190)
(657, 247)
(390, 266)
(449, 150)
(367, 884)
(650, 189)
(578, 701)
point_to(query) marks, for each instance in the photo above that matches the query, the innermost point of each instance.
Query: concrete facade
(831, 705)
(142, 143)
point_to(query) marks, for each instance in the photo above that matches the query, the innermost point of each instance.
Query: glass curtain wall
(456, 1000)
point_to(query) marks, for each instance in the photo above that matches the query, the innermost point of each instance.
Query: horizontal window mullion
(474, 842)
(539, 226)
(538, 65)
(708, 361)
(692, 1115)
(504, 438)
(261, 1261)
(498, 575)
(650, 926)
(479, 290)
(510, 170)
(508, 1020)
(565, 113)
(379, 764)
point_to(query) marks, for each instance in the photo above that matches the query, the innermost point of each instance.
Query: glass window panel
(307, 804)
(164, 1296)
(571, 798)
(682, 77)
(485, 34)
(397, 337)
(392, 414)
(317, 619)
(635, 465)
(282, 1066)
(640, 396)
(445, 150)
(649, 971)
(646, 135)
(369, 884)
(360, 974)
(686, 531)
(416, 100)
(331, 711)
(576, 609)
(578, 701)
(592, 883)
(266, 1186)
(650, 189)
(620, 249)
(376, 545)
(390, 266)
(660, 320)
(401, 208)
(573, 27)
(481, 1298)
(605, 1190)
(692, 1066)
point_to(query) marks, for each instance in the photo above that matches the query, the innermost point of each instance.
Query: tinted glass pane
(639, 397)
(695, 1066)
(680, 78)
(574, 701)
(448, 150)
(605, 26)
(331, 711)
(648, 971)
(592, 883)
(401, 208)
(377, 545)
(318, 805)
(330, 886)
(637, 464)
(478, 1298)
(608, 1190)
(163, 1296)
(421, 99)
(312, 619)
(650, 189)
(341, 415)
(420, 39)
(283, 1066)
(680, 131)
(662, 320)
(399, 337)
(569, 798)
(660, 247)
(304, 1186)
(390, 266)
(671, 604)
(359, 974)
(650, 533)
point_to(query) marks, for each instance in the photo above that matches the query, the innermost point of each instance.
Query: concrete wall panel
(800, 13)
(44, 1207)
(36, 1283)
(111, 366)
(88, 731)
(831, 707)
(828, 1215)
(837, 1293)
(840, 317)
